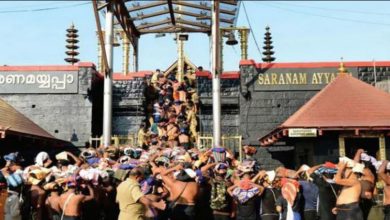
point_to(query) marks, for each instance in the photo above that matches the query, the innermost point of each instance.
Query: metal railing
(231, 142)
(116, 140)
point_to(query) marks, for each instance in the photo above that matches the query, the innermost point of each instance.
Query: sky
(305, 31)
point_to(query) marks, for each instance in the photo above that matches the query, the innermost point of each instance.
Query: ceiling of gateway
(172, 16)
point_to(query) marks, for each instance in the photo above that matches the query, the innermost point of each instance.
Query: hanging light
(231, 39)
(159, 35)
(183, 37)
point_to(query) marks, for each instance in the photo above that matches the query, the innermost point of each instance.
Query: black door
(370, 145)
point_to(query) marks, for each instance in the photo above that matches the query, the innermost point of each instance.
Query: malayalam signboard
(38, 82)
(302, 132)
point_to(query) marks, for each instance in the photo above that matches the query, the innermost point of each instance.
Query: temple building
(257, 101)
(346, 115)
(271, 93)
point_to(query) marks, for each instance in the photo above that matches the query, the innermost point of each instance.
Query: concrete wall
(65, 116)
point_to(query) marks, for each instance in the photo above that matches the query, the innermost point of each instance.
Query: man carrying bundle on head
(367, 181)
(289, 202)
(183, 189)
(270, 194)
(71, 201)
(384, 174)
(309, 192)
(53, 200)
(347, 205)
(322, 176)
(245, 192)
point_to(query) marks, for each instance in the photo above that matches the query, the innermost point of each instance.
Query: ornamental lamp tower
(72, 45)
(268, 52)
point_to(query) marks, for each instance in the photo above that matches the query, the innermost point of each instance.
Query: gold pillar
(382, 147)
(180, 59)
(341, 146)
(221, 48)
(116, 141)
(135, 55)
(244, 42)
(126, 53)
(100, 55)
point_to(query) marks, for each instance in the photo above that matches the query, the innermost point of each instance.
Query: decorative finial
(342, 69)
(268, 58)
(72, 45)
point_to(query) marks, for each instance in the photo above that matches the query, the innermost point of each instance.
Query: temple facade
(256, 99)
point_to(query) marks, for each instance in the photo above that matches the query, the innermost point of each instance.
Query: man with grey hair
(131, 200)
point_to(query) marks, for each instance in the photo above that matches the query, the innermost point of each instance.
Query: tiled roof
(16, 122)
(345, 103)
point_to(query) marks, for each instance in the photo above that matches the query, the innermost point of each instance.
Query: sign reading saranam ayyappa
(302, 132)
(276, 79)
(38, 82)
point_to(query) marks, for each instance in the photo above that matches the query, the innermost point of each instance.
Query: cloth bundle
(284, 172)
(246, 166)
(350, 163)
(87, 154)
(245, 191)
(93, 174)
(124, 160)
(270, 176)
(249, 150)
(36, 176)
(290, 189)
(356, 167)
(219, 154)
(162, 160)
(376, 163)
(220, 166)
(41, 158)
(322, 170)
(13, 157)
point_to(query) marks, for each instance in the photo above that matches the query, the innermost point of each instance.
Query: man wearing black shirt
(268, 202)
(327, 191)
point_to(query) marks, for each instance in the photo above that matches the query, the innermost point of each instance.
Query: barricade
(231, 142)
(116, 140)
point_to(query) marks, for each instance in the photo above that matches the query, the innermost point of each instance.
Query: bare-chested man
(178, 107)
(53, 201)
(172, 132)
(70, 202)
(182, 193)
(384, 174)
(367, 182)
(37, 201)
(184, 139)
(347, 205)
